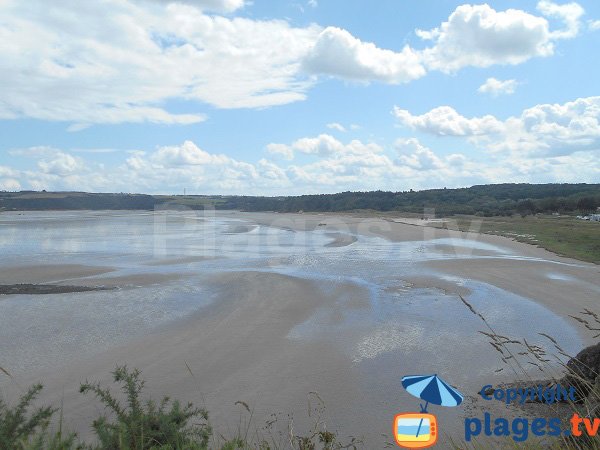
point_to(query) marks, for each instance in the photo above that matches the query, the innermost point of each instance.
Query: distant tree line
(29, 200)
(484, 200)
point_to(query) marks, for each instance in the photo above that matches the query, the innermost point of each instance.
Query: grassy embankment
(563, 235)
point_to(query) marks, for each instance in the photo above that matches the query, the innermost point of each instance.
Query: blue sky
(291, 97)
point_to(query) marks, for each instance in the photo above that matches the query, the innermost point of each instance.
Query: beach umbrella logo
(419, 430)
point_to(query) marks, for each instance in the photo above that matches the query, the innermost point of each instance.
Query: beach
(284, 312)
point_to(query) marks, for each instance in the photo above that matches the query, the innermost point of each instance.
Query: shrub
(21, 429)
(145, 426)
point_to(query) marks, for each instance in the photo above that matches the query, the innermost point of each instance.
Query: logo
(413, 430)
(522, 428)
(420, 430)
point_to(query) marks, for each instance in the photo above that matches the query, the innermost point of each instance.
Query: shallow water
(423, 325)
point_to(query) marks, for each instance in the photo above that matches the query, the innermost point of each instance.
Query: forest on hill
(483, 200)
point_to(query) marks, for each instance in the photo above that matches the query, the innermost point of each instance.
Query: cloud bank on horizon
(224, 96)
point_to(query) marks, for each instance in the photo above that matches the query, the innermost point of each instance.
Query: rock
(583, 370)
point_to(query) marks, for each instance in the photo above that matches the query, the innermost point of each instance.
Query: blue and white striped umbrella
(432, 389)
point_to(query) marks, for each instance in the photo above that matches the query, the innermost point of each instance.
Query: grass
(563, 235)
(193, 201)
(519, 356)
(133, 423)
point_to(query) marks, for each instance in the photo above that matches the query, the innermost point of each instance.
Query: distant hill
(487, 200)
(484, 200)
(32, 200)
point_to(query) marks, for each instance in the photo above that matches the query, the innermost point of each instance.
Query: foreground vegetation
(132, 423)
(139, 424)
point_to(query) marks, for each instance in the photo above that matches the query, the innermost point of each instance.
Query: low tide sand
(244, 345)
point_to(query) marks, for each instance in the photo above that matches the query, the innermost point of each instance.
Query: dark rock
(583, 370)
(43, 289)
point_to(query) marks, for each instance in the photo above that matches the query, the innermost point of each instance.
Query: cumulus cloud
(419, 157)
(187, 154)
(496, 87)
(338, 53)
(552, 129)
(480, 36)
(545, 129)
(358, 166)
(416, 155)
(594, 25)
(61, 164)
(323, 145)
(473, 36)
(446, 121)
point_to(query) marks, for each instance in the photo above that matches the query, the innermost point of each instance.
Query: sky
(278, 97)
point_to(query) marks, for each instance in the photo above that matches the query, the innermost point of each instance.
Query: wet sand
(269, 339)
(562, 284)
(47, 273)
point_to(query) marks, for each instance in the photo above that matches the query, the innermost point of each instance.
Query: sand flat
(289, 315)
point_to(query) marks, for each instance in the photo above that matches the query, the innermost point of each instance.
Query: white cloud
(73, 128)
(569, 13)
(120, 61)
(496, 87)
(552, 129)
(123, 60)
(543, 130)
(61, 164)
(338, 53)
(51, 161)
(594, 25)
(210, 5)
(9, 184)
(473, 35)
(187, 154)
(323, 145)
(8, 172)
(445, 121)
(478, 35)
(416, 155)
(313, 3)
(336, 126)
(360, 166)
(281, 149)
(419, 157)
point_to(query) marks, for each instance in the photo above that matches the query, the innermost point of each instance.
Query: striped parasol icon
(432, 389)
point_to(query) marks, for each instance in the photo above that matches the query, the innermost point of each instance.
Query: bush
(146, 426)
(20, 429)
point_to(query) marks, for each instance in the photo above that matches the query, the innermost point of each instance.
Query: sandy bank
(47, 273)
(237, 349)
